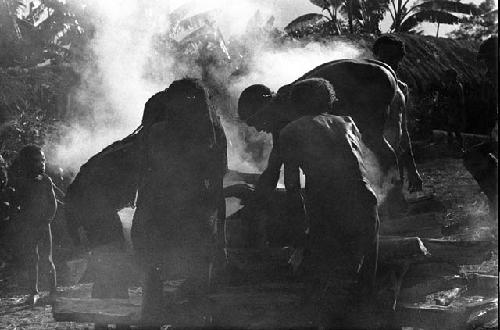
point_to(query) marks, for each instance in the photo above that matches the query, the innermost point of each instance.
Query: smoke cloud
(128, 68)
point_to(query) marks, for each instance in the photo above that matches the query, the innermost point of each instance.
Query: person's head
(311, 97)
(253, 99)
(389, 49)
(32, 160)
(488, 53)
(189, 111)
(450, 75)
(185, 96)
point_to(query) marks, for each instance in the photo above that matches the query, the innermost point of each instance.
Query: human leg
(45, 256)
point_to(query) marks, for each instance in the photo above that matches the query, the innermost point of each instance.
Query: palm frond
(304, 21)
(433, 16)
(323, 4)
(449, 6)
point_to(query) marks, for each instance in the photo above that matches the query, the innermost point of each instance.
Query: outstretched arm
(269, 178)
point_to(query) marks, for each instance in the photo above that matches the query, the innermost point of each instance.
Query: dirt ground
(446, 178)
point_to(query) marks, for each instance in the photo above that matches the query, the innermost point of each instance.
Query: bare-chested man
(339, 203)
(180, 200)
(391, 50)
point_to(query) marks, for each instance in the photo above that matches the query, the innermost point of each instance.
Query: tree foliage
(34, 32)
(479, 26)
(304, 21)
(406, 18)
(333, 9)
(372, 13)
(359, 15)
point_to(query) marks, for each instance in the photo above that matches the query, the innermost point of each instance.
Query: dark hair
(27, 152)
(488, 49)
(252, 99)
(388, 39)
(312, 96)
(23, 161)
(189, 111)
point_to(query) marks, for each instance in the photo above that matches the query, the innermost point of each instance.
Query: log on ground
(460, 252)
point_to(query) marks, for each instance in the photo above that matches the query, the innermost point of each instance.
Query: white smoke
(275, 67)
(117, 85)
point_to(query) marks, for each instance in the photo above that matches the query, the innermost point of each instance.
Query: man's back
(329, 150)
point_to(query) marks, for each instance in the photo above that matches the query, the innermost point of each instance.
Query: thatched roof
(428, 57)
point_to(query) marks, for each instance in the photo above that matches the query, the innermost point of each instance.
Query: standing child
(36, 204)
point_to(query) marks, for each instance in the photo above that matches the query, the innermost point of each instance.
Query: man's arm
(294, 197)
(269, 178)
(50, 205)
(292, 178)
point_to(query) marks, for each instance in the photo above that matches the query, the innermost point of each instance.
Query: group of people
(327, 132)
(335, 135)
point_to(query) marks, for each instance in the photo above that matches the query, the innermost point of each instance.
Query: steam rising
(127, 70)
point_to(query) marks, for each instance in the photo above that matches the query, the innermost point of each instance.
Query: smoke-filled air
(140, 47)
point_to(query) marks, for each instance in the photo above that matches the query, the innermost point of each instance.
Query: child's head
(32, 160)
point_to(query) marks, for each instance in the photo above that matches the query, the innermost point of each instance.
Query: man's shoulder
(328, 120)
(294, 128)
(306, 123)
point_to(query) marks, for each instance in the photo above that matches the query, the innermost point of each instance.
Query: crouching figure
(180, 198)
(340, 206)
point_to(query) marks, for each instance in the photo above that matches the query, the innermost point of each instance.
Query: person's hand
(415, 182)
